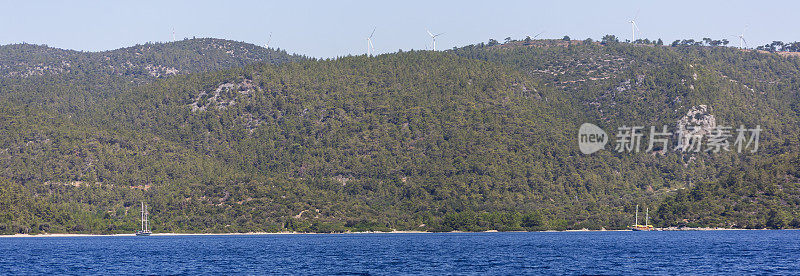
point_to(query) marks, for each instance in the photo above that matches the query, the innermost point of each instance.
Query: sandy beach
(346, 233)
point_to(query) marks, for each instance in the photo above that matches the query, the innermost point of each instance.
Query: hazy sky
(334, 28)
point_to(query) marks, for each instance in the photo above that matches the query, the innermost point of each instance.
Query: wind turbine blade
(537, 35)
(439, 34)
(637, 26)
(429, 33)
(637, 15)
(373, 32)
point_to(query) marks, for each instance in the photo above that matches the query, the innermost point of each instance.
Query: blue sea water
(612, 253)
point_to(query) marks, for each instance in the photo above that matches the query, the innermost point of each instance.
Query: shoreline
(59, 235)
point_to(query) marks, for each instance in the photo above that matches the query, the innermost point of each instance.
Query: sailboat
(646, 226)
(145, 224)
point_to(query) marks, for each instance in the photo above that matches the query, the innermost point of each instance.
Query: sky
(327, 29)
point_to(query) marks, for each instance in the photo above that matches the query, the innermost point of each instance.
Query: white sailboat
(145, 224)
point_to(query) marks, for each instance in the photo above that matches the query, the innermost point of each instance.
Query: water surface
(689, 252)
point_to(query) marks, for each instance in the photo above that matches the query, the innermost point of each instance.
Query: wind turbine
(634, 27)
(370, 48)
(529, 39)
(268, 40)
(742, 41)
(433, 36)
(173, 34)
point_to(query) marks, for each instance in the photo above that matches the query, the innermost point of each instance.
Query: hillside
(140, 61)
(619, 84)
(69, 81)
(474, 138)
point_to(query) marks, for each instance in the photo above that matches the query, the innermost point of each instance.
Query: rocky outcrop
(697, 122)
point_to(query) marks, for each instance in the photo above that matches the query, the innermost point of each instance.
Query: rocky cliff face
(697, 122)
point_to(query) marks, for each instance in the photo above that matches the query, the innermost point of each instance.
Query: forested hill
(140, 61)
(72, 81)
(643, 84)
(476, 138)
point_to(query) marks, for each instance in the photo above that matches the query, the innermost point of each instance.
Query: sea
(728, 252)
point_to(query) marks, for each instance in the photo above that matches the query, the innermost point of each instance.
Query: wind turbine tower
(634, 27)
(433, 36)
(370, 48)
(742, 41)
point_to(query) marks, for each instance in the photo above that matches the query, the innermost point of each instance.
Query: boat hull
(641, 228)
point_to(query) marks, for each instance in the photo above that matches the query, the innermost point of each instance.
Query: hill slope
(471, 139)
(140, 61)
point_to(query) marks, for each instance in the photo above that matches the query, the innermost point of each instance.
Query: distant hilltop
(140, 61)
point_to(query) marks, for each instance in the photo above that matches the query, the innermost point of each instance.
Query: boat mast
(637, 215)
(146, 223)
(142, 216)
(647, 216)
